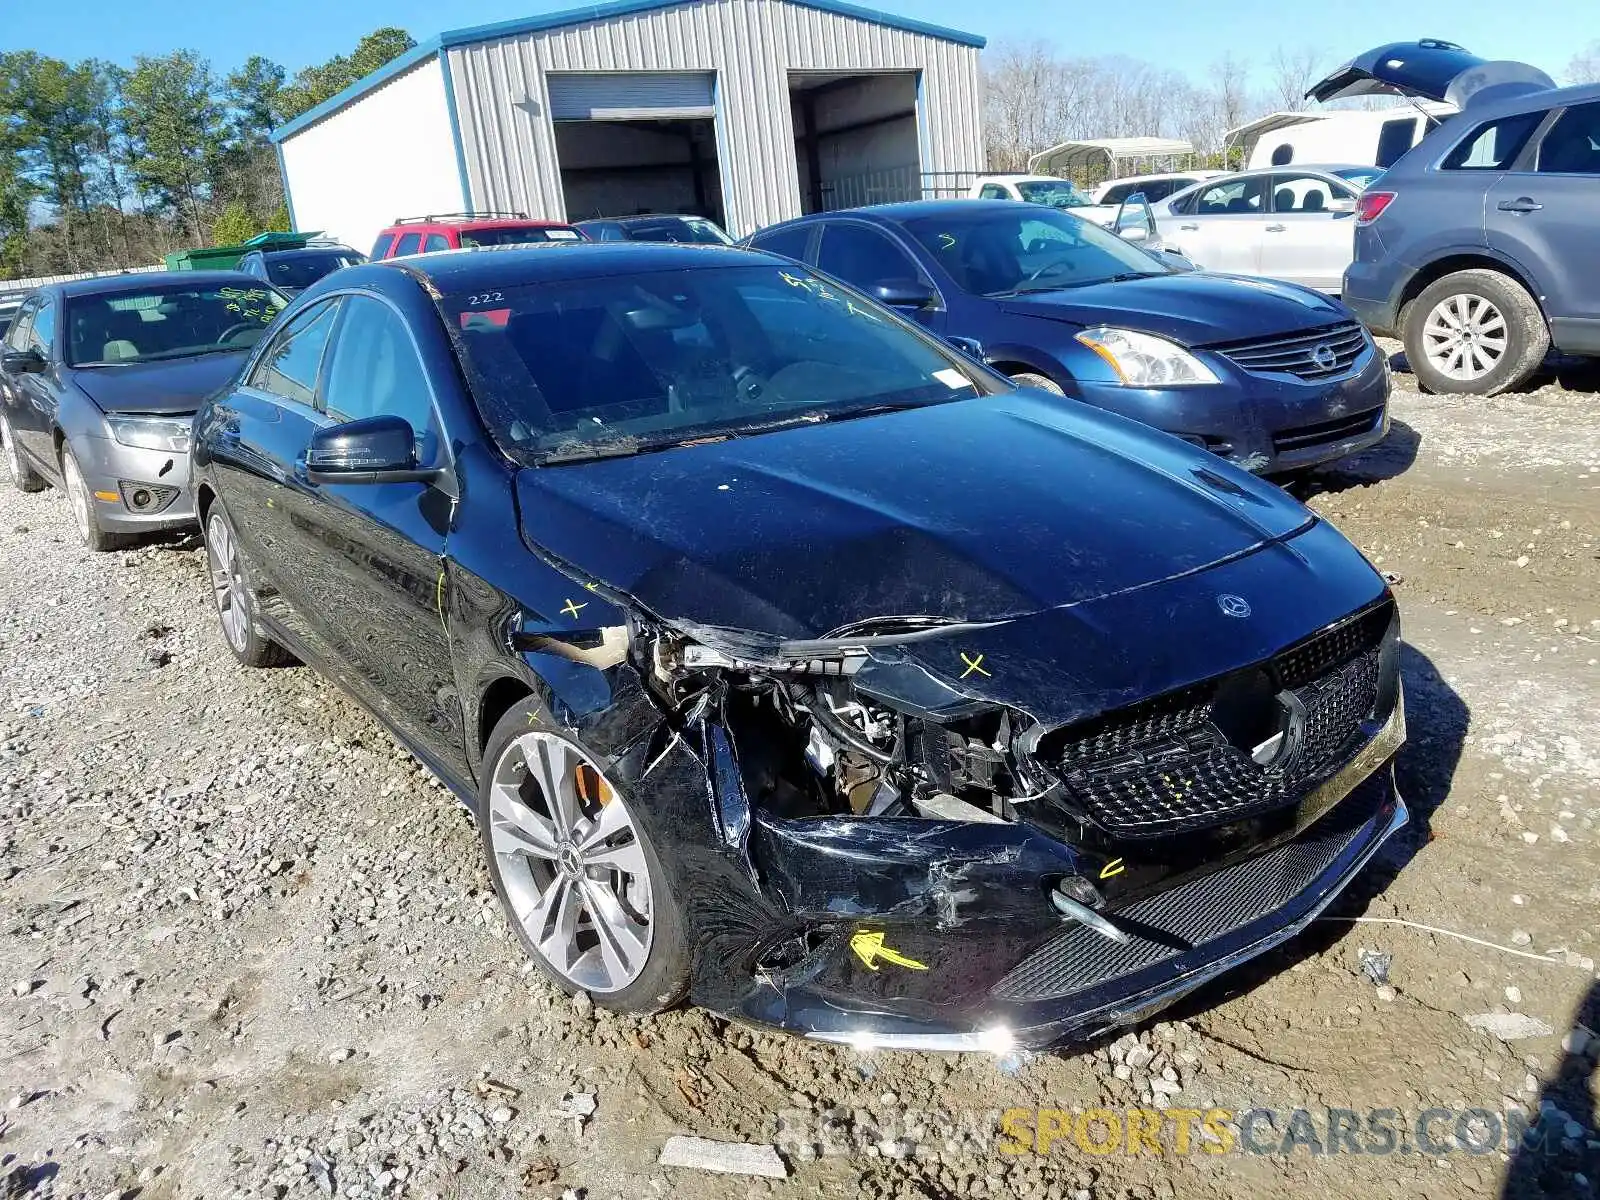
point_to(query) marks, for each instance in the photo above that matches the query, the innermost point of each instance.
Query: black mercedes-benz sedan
(792, 661)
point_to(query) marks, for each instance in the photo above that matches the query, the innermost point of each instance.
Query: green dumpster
(226, 258)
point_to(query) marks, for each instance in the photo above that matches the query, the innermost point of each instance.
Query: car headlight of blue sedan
(1145, 360)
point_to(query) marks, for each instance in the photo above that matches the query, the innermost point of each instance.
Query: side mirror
(22, 362)
(971, 347)
(1135, 220)
(1342, 204)
(903, 293)
(381, 449)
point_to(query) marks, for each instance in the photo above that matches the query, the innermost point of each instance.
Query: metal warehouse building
(746, 111)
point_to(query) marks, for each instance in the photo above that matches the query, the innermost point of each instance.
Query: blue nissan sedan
(1274, 377)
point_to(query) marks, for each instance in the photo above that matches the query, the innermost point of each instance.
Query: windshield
(167, 322)
(302, 270)
(517, 235)
(566, 370)
(1026, 250)
(1057, 193)
(678, 229)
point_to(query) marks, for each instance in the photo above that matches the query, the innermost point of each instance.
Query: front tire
(23, 477)
(1474, 332)
(230, 586)
(578, 879)
(1034, 380)
(82, 503)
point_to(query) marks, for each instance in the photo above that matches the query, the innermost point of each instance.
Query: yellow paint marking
(974, 665)
(1114, 867)
(570, 609)
(869, 948)
(592, 586)
(108, 497)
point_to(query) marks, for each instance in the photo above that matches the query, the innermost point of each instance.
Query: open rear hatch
(1429, 70)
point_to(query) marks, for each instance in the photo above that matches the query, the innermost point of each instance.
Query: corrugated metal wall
(503, 106)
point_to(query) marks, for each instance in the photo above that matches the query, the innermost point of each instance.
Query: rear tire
(1034, 380)
(1474, 332)
(578, 878)
(230, 584)
(82, 501)
(23, 477)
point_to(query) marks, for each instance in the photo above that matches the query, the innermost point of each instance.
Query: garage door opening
(856, 138)
(637, 143)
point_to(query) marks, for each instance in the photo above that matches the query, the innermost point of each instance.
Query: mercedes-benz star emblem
(1233, 606)
(1325, 356)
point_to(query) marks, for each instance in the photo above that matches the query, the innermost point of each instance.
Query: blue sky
(1186, 34)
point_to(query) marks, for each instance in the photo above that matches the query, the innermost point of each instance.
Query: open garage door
(637, 142)
(856, 138)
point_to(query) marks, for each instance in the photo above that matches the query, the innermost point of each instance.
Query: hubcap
(226, 581)
(572, 865)
(77, 494)
(1464, 337)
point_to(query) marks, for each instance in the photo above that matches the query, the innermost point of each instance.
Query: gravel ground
(249, 948)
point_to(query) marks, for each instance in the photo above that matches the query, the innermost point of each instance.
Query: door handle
(1522, 204)
(1190, 228)
(1275, 228)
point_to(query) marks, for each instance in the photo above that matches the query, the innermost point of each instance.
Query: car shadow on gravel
(1436, 730)
(1391, 457)
(1547, 1161)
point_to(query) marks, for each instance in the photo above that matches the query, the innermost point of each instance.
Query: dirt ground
(249, 948)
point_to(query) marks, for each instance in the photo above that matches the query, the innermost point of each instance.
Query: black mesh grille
(1317, 354)
(1167, 765)
(1190, 914)
(1303, 437)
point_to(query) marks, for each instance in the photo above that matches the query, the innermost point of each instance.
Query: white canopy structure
(1113, 158)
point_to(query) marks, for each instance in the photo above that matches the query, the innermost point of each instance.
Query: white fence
(27, 285)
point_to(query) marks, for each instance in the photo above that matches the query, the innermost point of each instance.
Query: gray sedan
(99, 382)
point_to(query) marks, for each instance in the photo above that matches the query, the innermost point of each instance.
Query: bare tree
(1585, 65)
(1293, 73)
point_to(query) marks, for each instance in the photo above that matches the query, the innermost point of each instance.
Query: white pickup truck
(1035, 189)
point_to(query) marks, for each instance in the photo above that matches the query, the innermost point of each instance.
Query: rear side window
(993, 191)
(1494, 145)
(409, 243)
(381, 246)
(289, 367)
(1121, 192)
(1160, 189)
(791, 243)
(436, 241)
(1572, 147)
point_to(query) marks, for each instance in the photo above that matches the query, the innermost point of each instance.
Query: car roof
(543, 262)
(137, 281)
(305, 252)
(637, 218)
(911, 210)
(422, 224)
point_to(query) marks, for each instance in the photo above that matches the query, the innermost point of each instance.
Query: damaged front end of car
(920, 832)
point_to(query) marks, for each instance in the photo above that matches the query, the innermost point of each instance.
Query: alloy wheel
(571, 863)
(227, 582)
(1464, 337)
(77, 496)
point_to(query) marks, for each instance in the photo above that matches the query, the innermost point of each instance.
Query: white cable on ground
(1465, 937)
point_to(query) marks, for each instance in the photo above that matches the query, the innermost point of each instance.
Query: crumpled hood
(175, 386)
(972, 510)
(1193, 308)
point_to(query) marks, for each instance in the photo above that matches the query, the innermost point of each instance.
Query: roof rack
(485, 214)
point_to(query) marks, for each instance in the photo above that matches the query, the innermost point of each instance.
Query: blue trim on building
(455, 131)
(398, 66)
(581, 16)
(288, 198)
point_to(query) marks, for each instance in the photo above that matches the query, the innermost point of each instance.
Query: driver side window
(863, 257)
(290, 365)
(43, 332)
(1234, 197)
(21, 326)
(373, 368)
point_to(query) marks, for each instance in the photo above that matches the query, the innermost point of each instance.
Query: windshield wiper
(586, 453)
(1065, 284)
